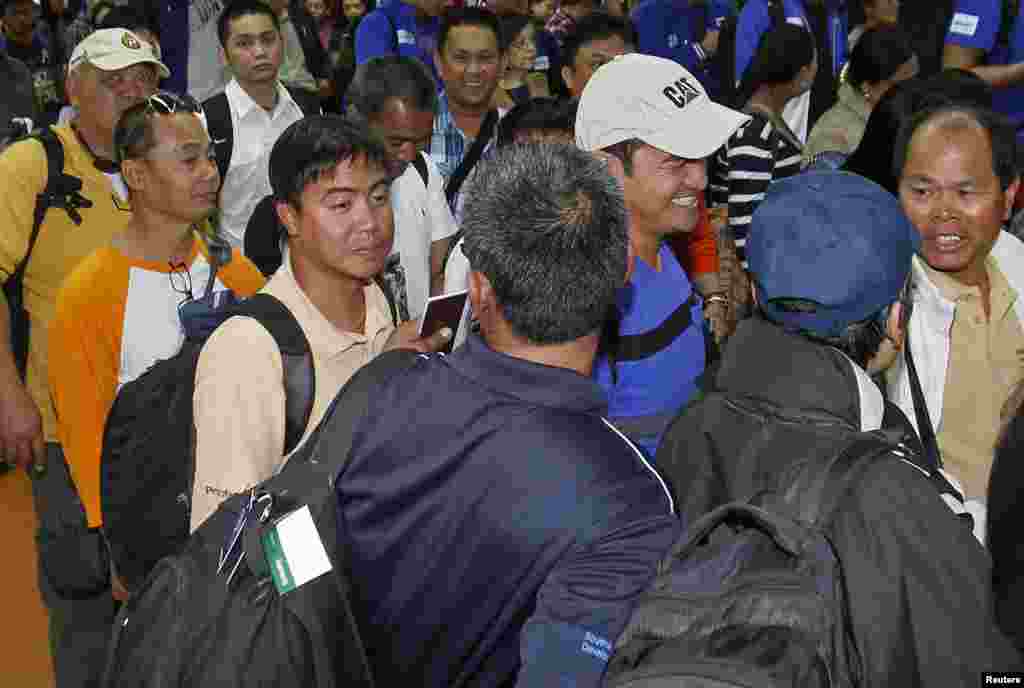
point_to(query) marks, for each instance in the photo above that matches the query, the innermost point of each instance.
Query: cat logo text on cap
(129, 41)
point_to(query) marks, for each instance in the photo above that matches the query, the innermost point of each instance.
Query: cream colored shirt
(239, 395)
(984, 365)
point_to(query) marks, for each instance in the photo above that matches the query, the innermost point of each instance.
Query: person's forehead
(400, 113)
(358, 173)
(179, 130)
(472, 37)
(965, 140)
(136, 68)
(250, 24)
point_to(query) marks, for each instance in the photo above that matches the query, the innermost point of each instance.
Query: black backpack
(148, 459)
(213, 616)
(222, 132)
(753, 595)
(62, 191)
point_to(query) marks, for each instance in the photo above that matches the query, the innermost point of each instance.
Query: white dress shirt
(248, 177)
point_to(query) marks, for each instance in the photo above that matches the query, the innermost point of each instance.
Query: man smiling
(957, 184)
(655, 125)
(470, 60)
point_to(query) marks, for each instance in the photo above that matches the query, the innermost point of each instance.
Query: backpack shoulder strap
(469, 161)
(421, 168)
(638, 346)
(352, 403)
(296, 359)
(218, 123)
(455, 239)
(818, 487)
(61, 191)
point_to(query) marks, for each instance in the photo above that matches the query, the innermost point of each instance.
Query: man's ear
(1011, 196)
(72, 84)
(481, 295)
(134, 174)
(567, 75)
(614, 166)
(288, 217)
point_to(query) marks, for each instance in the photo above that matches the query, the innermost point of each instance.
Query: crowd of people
(699, 241)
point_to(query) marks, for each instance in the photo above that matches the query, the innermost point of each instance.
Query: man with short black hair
(655, 125)
(332, 196)
(958, 181)
(396, 98)
(470, 60)
(829, 255)
(491, 512)
(259, 108)
(597, 39)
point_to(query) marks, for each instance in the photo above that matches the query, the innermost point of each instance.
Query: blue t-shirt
(975, 24)
(661, 384)
(394, 29)
(755, 19)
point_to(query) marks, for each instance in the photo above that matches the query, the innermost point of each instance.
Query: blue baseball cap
(837, 243)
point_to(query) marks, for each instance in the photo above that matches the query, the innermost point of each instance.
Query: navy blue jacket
(499, 527)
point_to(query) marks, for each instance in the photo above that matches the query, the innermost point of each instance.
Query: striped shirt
(756, 155)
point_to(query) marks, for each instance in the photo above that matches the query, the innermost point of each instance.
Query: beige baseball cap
(111, 49)
(654, 100)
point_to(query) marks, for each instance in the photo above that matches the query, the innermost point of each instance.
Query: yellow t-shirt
(61, 243)
(116, 316)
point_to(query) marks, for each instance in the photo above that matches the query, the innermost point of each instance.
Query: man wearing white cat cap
(654, 124)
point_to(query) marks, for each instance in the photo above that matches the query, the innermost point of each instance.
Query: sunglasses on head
(167, 103)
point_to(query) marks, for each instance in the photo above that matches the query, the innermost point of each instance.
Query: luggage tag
(295, 551)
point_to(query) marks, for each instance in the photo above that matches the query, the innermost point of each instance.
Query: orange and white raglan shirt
(117, 316)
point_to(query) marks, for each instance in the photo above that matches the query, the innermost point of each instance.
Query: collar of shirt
(242, 104)
(530, 382)
(1002, 297)
(448, 143)
(324, 338)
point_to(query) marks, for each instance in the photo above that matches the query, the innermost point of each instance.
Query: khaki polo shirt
(984, 366)
(239, 397)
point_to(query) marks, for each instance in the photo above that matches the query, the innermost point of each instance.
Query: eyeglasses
(143, 74)
(181, 281)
